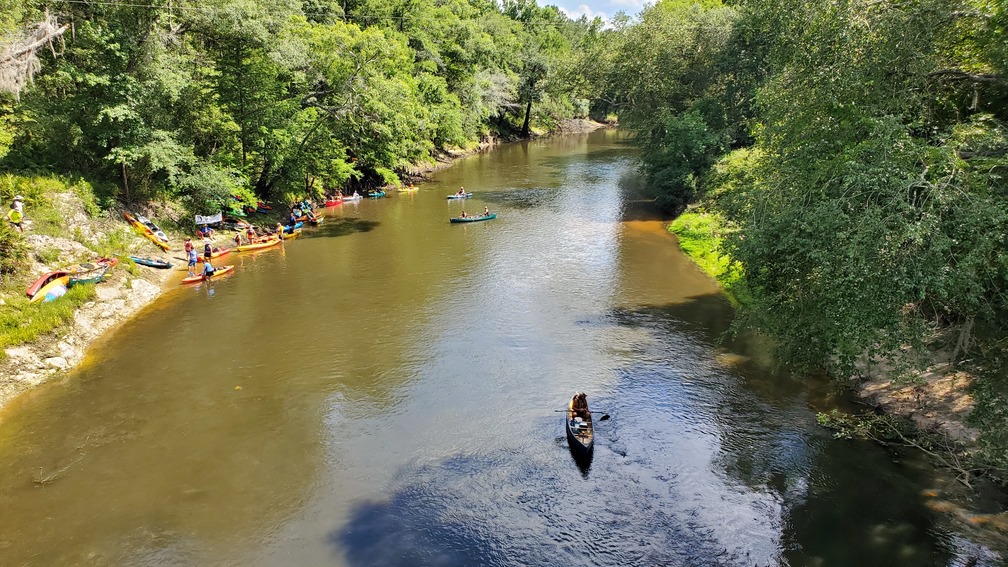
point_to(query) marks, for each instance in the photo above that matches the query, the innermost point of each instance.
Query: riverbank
(70, 324)
(936, 400)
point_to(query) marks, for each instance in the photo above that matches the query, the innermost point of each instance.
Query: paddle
(603, 418)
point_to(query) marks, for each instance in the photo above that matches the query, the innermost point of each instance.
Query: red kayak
(218, 272)
(334, 202)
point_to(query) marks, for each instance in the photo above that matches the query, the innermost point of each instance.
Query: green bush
(13, 250)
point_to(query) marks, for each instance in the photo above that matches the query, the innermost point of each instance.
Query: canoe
(151, 262)
(462, 196)
(376, 195)
(148, 229)
(580, 433)
(92, 276)
(334, 202)
(223, 270)
(43, 280)
(258, 245)
(51, 290)
(474, 219)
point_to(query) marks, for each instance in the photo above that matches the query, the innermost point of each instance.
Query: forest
(848, 157)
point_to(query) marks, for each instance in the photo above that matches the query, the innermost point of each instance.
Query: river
(382, 391)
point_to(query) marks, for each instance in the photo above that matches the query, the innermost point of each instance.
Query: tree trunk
(125, 180)
(525, 126)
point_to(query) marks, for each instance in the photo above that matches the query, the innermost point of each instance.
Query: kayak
(474, 219)
(292, 235)
(223, 270)
(51, 290)
(288, 228)
(334, 202)
(92, 276)
(218, 252)
(43, 280)
(462, 196)
(148, 229)
(258, 245)
(376, 195)
(151, 262)
(352, 198)
(408, 189)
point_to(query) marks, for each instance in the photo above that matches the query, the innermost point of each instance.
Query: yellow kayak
(258, 245)
(53, 289)
(291, 235)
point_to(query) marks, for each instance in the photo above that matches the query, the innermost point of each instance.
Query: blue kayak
(151, 262)
(289, 229)
(474, 219)
(377, 195)
(462, 196)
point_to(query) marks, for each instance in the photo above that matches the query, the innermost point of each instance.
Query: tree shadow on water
(341, 227)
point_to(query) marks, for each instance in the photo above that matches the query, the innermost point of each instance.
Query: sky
(604, 9)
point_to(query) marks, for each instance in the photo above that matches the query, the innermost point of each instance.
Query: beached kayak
(55, 288)
(69, 270)
(91, 276)
(151, 262)
(223, 270)
(474, 219)
(148, 229)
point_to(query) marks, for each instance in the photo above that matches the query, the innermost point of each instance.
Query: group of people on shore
(193, 258)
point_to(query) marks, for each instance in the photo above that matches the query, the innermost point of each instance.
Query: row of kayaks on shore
(51, 285)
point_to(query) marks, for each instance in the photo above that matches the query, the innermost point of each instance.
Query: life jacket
(14, 216)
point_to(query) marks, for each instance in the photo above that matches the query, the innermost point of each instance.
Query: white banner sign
(200, 219)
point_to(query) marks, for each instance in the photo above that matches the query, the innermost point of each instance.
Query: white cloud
(627, 3)
(584, 10)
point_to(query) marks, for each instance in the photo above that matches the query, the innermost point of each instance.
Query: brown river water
(382, 391)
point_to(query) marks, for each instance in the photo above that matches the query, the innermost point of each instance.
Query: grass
(700, 238)
(47, 255)
(21, 321)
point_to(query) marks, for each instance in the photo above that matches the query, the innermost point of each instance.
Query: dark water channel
(382, 392)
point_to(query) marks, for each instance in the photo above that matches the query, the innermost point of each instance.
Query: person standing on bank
(16, 213)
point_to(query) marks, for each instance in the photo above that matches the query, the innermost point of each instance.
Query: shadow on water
(800, 496)
(582, 460)
(514, 510)
(333, 227)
